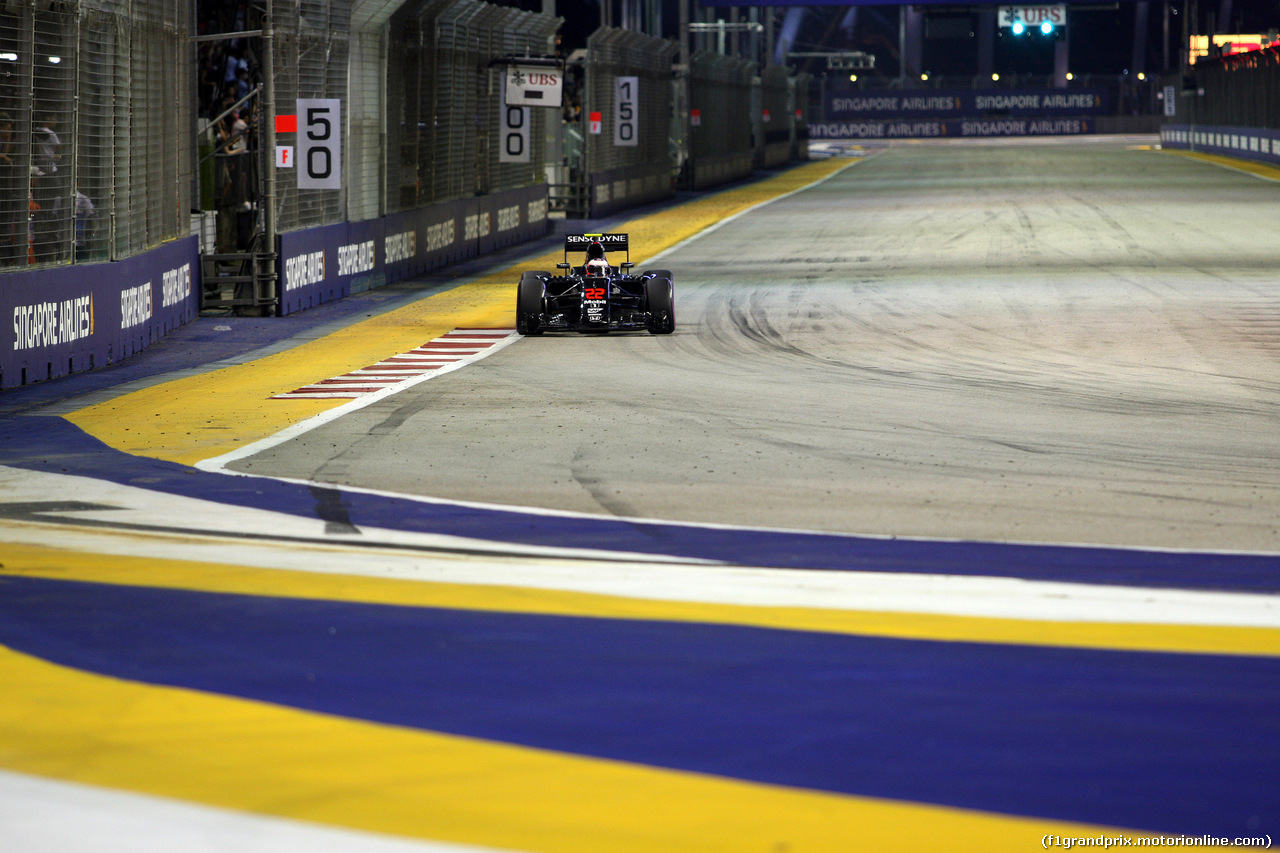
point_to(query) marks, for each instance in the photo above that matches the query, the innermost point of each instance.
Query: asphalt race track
(948, 517)
(1046, 343)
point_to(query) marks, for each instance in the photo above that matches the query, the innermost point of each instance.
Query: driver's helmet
(596, 263)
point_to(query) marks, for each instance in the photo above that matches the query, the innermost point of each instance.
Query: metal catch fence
(777, 130)
(444, 99)
(1240, 91)
(312, 43)
(615, 55)
(96, 153)
(720, 96)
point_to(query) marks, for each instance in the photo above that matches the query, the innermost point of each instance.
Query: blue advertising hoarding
(77, 317)
(321, 264)
(853, 104)
(963, 127)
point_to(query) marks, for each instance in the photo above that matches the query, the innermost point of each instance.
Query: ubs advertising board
(74, 318)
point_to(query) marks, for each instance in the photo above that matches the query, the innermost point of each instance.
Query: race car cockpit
(597, 264)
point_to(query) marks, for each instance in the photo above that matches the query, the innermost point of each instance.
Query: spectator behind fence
(48, 145)
(13, 220)
(233, 184)
(82, 210)
(49, 184)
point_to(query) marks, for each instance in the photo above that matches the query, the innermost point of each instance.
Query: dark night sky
(1101, 40)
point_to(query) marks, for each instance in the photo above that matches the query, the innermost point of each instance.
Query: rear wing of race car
(580, 242)
(609, 242)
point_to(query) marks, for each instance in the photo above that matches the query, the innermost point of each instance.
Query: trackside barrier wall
(73, 318)
(628, 186)
(330, 262)
(1249, 143)
(632, 142)
(720, 119)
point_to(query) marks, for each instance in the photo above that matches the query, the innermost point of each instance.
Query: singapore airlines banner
(77, 317)
(855, 114)
(956, 103)
(971, 127)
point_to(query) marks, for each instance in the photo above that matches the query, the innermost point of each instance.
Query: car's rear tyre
(660, 301)
(530, 304)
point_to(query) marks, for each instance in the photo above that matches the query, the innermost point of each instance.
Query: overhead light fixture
(1046, 28)
(9, 57)
(995, 77)
(55, 60)
(1018, 28)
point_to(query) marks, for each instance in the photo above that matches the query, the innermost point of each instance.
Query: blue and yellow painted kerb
(555, 721)
(545, 720)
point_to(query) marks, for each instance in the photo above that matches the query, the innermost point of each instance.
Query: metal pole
(74, 166)
(902, 47)
(265, 265)
(1164, 43)
(769, 46)
(684, 32)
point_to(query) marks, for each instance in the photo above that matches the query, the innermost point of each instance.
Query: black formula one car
(595, 297)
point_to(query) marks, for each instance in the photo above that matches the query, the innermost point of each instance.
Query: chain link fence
(720, 118)
(444, 89)
(95, 133)
(777, 130)
(613, 54)
(628, 82)
(804, 92)
(1238, 91)
(311, 47)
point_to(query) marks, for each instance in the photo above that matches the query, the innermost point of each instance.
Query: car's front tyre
(530, 303)
(660, 302)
